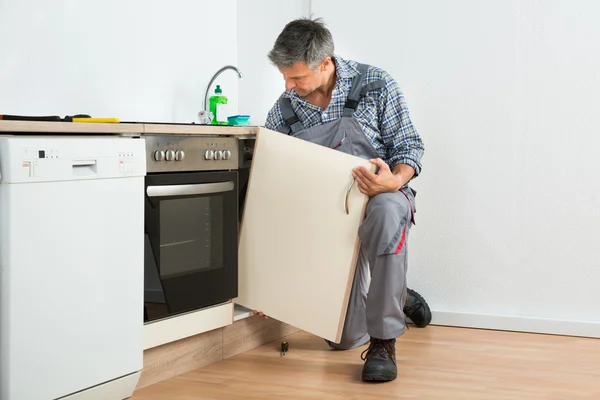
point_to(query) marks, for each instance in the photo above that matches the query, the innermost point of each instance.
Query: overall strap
(354, 94)
(358, 90)
(372, 86)
(289, 116)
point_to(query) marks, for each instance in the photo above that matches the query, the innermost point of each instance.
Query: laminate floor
(434, 363)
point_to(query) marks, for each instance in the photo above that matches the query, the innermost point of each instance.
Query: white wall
(260, 22)
(135, 60)
(506, 95)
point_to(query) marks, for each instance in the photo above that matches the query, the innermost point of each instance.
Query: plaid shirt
(382, 113)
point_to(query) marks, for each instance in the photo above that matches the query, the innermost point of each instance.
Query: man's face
(302, 79)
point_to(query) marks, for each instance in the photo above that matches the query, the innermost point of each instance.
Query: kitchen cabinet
(299, 233)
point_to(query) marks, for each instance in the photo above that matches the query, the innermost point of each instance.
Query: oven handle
(187, 190)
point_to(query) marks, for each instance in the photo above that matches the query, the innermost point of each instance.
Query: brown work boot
(380, 364)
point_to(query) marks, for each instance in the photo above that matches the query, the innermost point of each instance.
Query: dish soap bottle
(214, 101)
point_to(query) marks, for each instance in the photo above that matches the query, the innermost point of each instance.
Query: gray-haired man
(359, 109)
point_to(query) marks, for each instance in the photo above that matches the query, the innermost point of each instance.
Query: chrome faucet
(206, 105)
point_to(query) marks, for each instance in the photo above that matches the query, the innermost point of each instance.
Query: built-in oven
(191, 223)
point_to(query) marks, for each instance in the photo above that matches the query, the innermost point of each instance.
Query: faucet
(206, 105)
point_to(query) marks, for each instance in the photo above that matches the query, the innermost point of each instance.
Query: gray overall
(378, 293)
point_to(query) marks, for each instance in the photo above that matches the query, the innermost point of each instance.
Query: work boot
(417, 309)
(380, 364)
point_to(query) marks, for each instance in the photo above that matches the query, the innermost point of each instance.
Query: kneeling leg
(384, 232)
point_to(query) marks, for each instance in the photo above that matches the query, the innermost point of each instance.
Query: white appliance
(71, 267)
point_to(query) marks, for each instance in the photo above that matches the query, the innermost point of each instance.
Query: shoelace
(378, 347)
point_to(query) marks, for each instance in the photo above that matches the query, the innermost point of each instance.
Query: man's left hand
(372, 184)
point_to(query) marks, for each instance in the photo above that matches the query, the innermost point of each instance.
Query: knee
(387, 220)
(388, 207)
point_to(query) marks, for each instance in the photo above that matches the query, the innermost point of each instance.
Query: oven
(191, 223)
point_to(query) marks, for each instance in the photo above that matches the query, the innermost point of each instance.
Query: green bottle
(218, 98)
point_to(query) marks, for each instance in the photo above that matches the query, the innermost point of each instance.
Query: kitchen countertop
(200, 129)
(68, 127)
(123, 128)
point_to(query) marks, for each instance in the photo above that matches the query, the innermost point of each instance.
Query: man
(360, 110)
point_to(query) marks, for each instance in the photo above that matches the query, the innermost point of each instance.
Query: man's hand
(256, 312)
(382, 182)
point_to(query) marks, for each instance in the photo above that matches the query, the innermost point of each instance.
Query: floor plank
(434, 363)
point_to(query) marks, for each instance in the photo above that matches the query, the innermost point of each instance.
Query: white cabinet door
(298, 243)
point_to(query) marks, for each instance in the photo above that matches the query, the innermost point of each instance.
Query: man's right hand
(255, 312)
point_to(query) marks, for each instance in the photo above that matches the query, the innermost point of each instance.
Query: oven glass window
(191, 235)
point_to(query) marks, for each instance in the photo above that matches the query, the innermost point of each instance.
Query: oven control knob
(226, 155)
(218, 155)
(209, 154)
(170, 155)
(159, 155)
(179, 155)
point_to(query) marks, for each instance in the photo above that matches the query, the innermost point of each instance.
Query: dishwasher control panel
(57, 158)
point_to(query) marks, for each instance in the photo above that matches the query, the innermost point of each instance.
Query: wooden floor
(434, 363)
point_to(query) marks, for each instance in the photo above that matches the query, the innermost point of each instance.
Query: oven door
(191, 239)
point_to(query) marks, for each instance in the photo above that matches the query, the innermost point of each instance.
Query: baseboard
(253, 331)
(518, 324)
(175, 358)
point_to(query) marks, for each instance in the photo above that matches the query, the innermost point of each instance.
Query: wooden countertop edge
(200, 129)
(110, 128)
(68, 127)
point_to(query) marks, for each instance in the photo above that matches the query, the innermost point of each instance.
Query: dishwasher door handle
(189, 190)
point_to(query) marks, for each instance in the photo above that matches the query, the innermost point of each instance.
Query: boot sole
(379, 377)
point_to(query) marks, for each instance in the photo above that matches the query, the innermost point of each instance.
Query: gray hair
(302, 40)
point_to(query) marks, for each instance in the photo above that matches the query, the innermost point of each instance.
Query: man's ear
(327, 62)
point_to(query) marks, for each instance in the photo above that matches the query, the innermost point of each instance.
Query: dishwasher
(71, 266)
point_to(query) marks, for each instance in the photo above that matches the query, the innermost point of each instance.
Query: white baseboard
(176, 328)
(518, 324)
